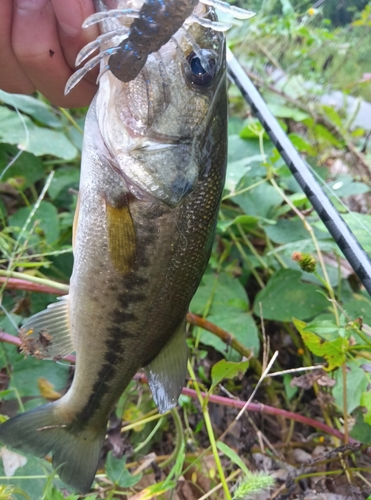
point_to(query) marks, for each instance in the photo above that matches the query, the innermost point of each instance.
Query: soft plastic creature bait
(153, 26)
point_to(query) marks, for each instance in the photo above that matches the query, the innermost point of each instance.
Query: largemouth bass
(152, 174)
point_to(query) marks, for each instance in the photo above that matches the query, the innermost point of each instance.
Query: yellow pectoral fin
(121, 238)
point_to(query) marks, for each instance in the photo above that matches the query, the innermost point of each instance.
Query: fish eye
(202, 67)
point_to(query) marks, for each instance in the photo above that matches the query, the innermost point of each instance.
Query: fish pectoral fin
(75, 223)
(47, 335)
(167, 371)
(121, 237)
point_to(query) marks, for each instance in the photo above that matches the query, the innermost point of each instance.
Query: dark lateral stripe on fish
(114, 348)
(107, 372)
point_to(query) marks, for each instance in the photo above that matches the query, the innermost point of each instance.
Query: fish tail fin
(41, 431)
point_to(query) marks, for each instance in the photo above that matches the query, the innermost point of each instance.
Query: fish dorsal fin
(121, 237)
(167, 371)
(46, 335)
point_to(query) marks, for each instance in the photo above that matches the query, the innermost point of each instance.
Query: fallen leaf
(12, 461)
(47, 390)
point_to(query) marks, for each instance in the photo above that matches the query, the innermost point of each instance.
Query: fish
(152, 175)
(155, 23)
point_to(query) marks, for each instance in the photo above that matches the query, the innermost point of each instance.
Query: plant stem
(179, 439)
(228, 338)
(259, 408)
(71, 120)
(345, 406)
(21, 281)
(33, 279)
(203, 402)
(270, 410)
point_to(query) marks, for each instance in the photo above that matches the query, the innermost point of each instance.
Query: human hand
(39, 41)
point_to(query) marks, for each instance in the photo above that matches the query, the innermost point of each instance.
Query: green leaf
(360, 224)
(47, 217)
(326, 329)
(242, 149)
(361, 431)
(282, 111)
(63, 178)
(31, 478)
(118, 474)
(54, 494)
(359, 306)
(286, 231)
(366, 402)
(301, 144)
(345, 186)
(10, 323)
(285, 297)
(236, 170)
(356, 384)
(232, 455)
(261, 201)
(333, 351)
(227, 370)
(26, 170)
(289, 390)
(287, 8)
(37, 140)
(246, 221)
(27, 371)
(218, 291)
(240, 324)
(333, 115)
(42, 112)
(325, 136)
(294, 86)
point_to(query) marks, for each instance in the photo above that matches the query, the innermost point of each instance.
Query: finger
(70, 15)
(38, 50)
(12, 76)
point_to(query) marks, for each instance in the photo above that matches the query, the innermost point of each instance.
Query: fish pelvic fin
(166, 373)
(41, 431)
(47, 335)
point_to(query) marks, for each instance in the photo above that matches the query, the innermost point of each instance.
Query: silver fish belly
(153, 168)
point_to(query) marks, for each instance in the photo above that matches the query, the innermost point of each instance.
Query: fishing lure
(153, 26)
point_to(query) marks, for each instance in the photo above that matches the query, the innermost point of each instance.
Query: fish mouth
(151, 146)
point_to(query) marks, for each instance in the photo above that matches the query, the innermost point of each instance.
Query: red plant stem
(28, 286)
(9, 339)
(255, 407)
(19, 284)
(229, 339)
(269, 410)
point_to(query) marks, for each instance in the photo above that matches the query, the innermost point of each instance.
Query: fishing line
(346, 241)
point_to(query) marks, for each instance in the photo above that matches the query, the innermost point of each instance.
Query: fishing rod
(343, 236)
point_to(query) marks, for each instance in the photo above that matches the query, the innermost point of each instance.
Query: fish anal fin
(166, 373)
(121, 237)
(46, 335)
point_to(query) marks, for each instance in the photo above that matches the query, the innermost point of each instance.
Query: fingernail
(30, 6)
